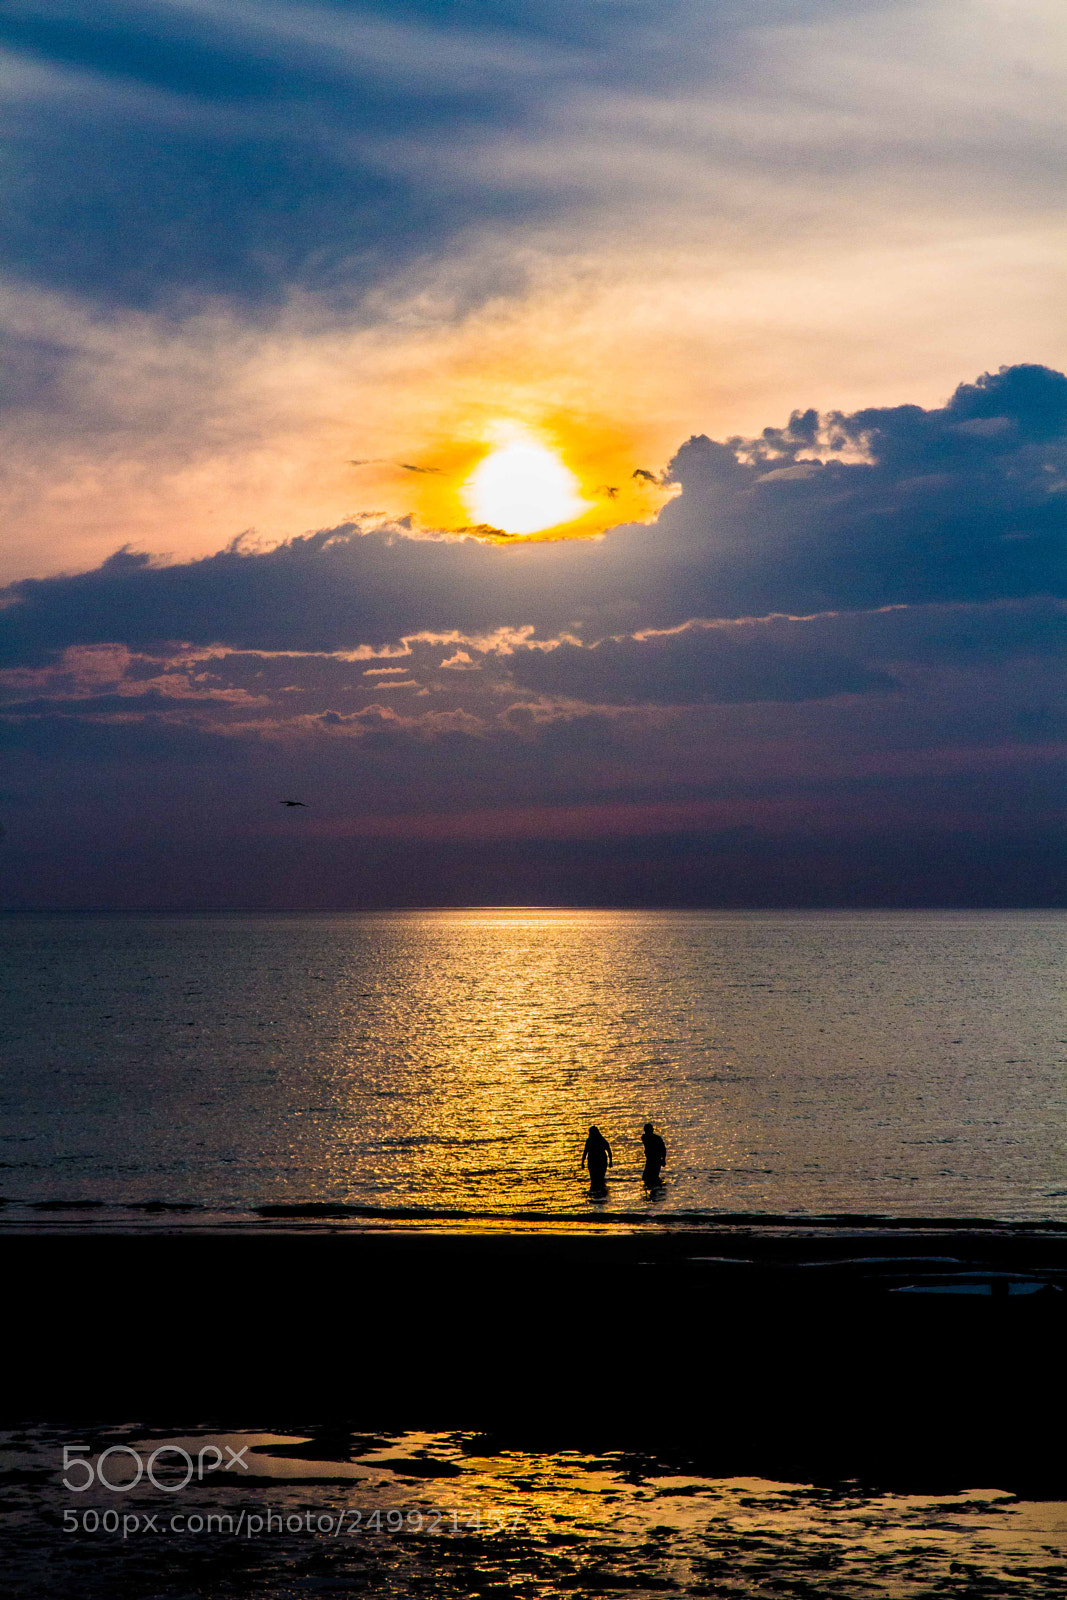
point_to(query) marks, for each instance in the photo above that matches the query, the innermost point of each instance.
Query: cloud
(246, 150)
(696, 665)
(930, 514)
(933, 511)
(869, 650)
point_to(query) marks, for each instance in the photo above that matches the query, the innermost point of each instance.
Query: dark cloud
(944, 507)
(116, 705)
(31, 371)
(247, 151)
(718, 666)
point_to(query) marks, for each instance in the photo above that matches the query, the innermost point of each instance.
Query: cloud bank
(830, 672)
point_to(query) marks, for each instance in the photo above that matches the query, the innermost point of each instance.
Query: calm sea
(893, 1063)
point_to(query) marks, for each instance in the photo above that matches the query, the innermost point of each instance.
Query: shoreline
(99, 1216)
(771, 1246)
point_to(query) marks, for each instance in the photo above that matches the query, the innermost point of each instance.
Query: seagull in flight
(292, 803)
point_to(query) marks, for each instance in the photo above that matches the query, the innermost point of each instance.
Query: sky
(610, 453)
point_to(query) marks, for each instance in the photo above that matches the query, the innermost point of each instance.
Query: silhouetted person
(655, 1156)
(597, 1154)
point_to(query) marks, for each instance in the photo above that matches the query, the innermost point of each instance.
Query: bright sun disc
(522, 487)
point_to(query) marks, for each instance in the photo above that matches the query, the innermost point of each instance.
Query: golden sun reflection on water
(510, 1033)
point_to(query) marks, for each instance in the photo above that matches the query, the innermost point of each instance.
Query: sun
(522, 486)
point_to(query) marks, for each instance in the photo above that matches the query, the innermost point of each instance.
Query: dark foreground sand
(775, 1352)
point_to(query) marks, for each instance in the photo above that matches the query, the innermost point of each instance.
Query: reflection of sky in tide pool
(570, 1522)
(894, 1062)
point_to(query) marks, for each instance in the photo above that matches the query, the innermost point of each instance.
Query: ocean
(448, 1063)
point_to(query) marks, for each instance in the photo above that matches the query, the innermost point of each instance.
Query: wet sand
(329, 1511)
(921, 1359)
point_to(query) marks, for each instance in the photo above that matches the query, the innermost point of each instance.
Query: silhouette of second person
(655, 1156)
(597, 1156)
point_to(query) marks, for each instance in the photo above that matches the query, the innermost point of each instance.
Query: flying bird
(292, 802)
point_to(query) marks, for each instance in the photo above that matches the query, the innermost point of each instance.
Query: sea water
(894, 1063)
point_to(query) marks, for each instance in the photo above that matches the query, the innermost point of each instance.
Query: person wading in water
(597, 1154)
(655, 1156)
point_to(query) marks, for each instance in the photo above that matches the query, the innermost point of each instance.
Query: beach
(741, 1410)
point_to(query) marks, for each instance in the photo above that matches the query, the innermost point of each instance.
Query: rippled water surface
(901, 1063)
